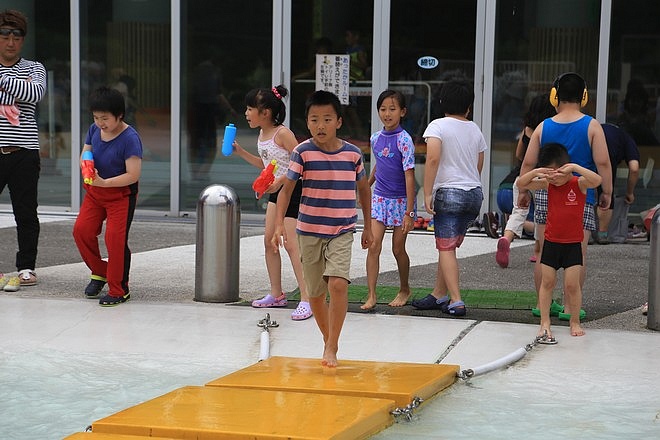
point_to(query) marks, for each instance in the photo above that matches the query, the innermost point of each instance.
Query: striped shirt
(23, 84)
(327, 205)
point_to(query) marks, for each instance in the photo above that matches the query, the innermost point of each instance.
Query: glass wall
(633, 93)
(126, 45)
(427, 50)
(226, 50)
(337, 27)
(48, 42)
(535, 41)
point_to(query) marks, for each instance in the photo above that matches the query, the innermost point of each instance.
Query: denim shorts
(454, 210)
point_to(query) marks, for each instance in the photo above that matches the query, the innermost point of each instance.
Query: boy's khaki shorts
(323, 258)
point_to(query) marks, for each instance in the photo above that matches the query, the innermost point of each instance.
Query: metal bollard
(654, 274)
(218, 242)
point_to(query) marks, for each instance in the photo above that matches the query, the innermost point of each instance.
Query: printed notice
(332, 74)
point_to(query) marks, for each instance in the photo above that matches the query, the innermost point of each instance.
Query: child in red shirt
(562, 246)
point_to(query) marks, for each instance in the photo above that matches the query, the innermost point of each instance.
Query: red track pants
(115, 206)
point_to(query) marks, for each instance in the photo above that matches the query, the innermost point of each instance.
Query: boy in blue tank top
(585, 141)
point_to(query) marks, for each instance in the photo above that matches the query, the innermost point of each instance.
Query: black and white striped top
(23, 84)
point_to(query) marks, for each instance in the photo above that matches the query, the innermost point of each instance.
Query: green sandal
(567, 316)
(555, 309)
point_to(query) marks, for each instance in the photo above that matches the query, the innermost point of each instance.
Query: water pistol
(264, 179)
(88, 171)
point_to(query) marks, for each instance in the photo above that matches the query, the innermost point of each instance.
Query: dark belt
(9, 150)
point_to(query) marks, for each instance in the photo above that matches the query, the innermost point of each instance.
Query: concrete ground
(66, 362)
(615, 289)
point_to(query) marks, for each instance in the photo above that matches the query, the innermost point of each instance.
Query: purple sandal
(270, 301)
(302, 312)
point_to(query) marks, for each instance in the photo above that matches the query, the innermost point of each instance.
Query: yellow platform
(233, 413)
(386, 380)
(104, 436)
(280, 398)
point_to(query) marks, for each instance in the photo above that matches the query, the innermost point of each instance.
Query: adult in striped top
(22, 86)
(331, 171)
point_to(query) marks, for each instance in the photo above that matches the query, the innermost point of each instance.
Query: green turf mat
(480, 299)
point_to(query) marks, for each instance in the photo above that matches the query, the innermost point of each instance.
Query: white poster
(332, 74)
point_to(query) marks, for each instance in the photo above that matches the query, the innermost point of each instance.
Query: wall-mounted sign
(332, 74)
(428, 62)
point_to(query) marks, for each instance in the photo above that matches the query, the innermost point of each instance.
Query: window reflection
(127, 46)
(338, 27)
(535, 41)
(633, 98)
(226, 51)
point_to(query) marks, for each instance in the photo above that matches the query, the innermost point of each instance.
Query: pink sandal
(270, 301)
(302, 312)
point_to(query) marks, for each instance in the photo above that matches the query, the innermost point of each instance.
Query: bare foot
(544, 331)
(544, 336)
(329, 357)
(401, 299)
(370, 303)
(577, 330)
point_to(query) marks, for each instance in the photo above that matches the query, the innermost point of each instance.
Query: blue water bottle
(230, 135)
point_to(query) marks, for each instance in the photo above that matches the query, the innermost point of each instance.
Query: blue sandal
(430, 302)
(456, 309)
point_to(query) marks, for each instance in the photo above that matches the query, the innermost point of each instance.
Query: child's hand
(565, 169)
(367, 238)
(428, 204)
(279, 237)
(544, 173)
(98, 180)
(524, 199)
(408, 224)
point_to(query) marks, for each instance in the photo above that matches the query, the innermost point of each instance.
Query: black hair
(106, 99)
(553, 154)
(570, 87)
(14, 19)
(268, 99)
(322, 97)
(456, 97)
(637, 98)
(323, 43)
(539, 110)
(398, 97)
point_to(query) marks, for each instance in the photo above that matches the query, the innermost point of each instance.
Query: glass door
(126, 45)
(633, 93)
(337, 27)
(535, 41)
(49, 43)
(226, 51)
(426, 50)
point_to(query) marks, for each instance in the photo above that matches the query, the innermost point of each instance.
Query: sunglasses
(15, 32)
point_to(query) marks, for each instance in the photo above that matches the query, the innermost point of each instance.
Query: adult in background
(584, 139)
(22, 86)
(621, 147)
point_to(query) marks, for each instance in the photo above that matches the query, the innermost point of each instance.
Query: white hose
(498, 363)
(264, 351)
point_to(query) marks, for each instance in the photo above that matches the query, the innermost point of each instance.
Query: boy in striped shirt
(331, 170)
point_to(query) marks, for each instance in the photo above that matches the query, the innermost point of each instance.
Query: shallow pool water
(53, 394)
(514, 404)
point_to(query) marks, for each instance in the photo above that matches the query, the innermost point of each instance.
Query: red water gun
(88, 171)
(265, 179)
